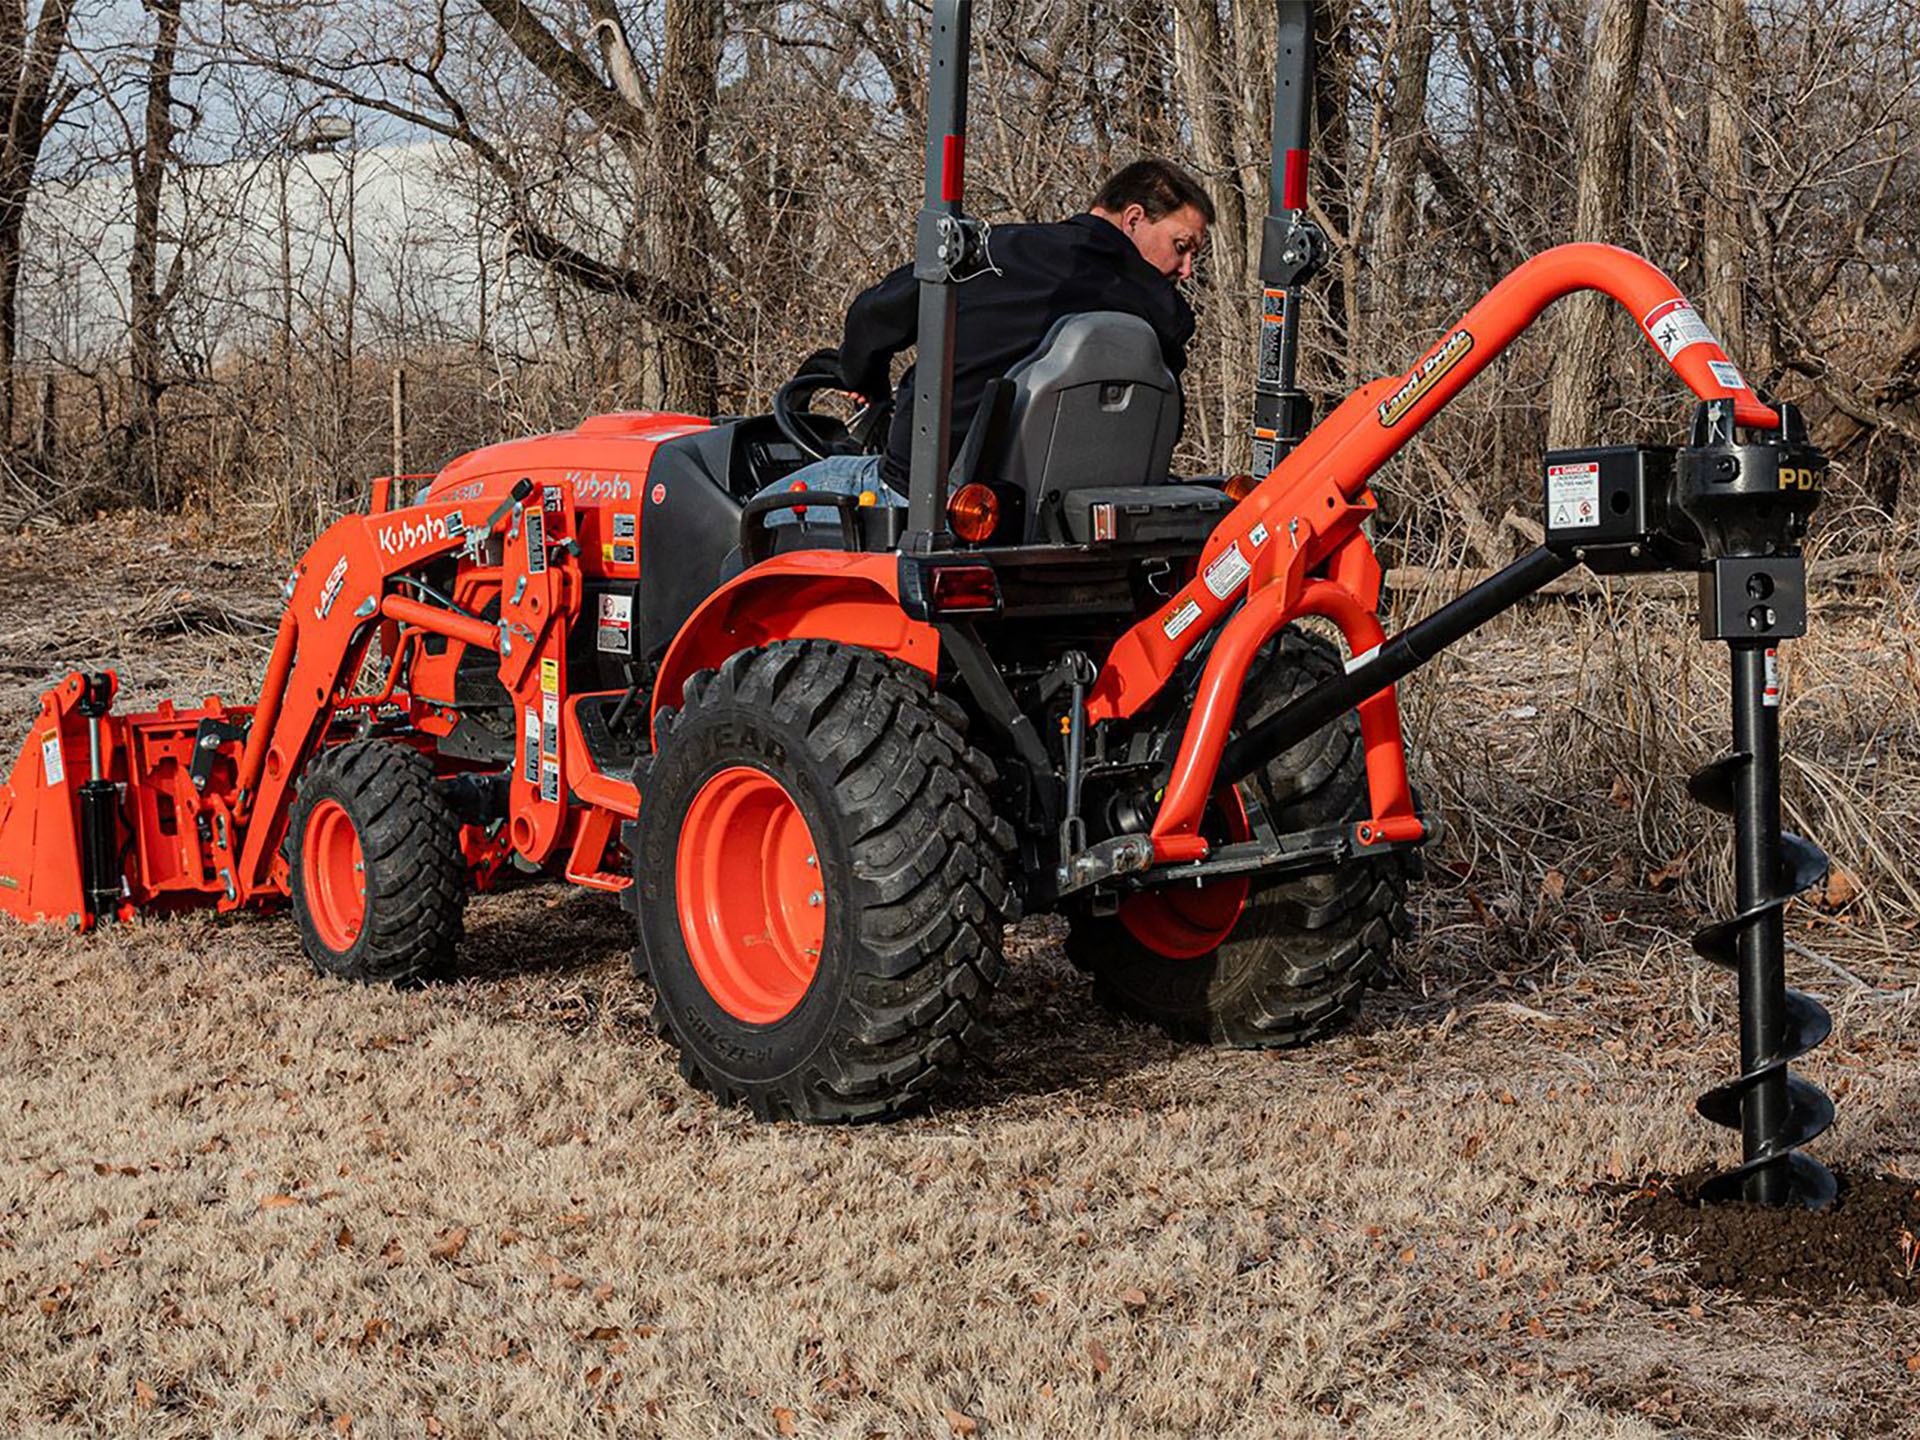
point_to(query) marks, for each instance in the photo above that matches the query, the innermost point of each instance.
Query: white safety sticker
(1228, 572)
(1257, 536)
(614, 633)
(1178, 622)
(1771, 695)
(530, 764)
(53, 760)
(1573, 495)
(1727, 373)
(550, 781)
(1674, 325)
(549, 727)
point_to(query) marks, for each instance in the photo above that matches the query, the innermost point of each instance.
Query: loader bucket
(105, 814)
(42, 868)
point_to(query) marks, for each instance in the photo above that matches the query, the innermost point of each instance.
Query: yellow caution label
(549, 676)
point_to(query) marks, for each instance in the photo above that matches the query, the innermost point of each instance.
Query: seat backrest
(1095, 404)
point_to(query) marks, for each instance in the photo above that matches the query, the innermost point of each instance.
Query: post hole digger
(826, 763)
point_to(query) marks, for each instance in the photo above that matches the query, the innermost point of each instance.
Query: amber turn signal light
(974, 512)
(1239, 487)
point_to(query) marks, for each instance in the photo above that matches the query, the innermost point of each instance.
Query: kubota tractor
(826, 764)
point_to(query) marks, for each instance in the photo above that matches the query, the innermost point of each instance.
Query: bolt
(813, 862)
(814, 898)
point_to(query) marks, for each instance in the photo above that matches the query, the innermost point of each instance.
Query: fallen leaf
(1102, 1362)
(1664, 877)
(144, 1394)
(449, 1245)
(1841, 890)
(343, 1424)
(1555, 884)
(278, 1202)
(961, 1423)
(1621, 796)
(1406, 1256)
(785, 1421)
(1134, 1299)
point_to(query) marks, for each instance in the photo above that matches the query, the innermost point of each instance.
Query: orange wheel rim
(336, 876)
(753, 909)
(1187, 921)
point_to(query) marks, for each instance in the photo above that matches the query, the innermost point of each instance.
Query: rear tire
(1296, 961)
(855, 999)
(378, 880)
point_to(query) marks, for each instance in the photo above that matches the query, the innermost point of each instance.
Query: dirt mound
(1866, 1246)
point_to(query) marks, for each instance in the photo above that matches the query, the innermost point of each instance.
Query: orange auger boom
(1304, 521)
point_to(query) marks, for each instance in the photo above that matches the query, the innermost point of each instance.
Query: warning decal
(1771, 695)
(530, 763)
(51, 758)
(1573, 495)
(1178, 622)
(614, 635)
(1228, 572)
(536, 542)
(1675, 325)
(549, 676)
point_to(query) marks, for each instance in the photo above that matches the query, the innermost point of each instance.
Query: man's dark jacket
(1046, 272)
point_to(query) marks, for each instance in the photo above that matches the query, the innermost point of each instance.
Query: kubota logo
(1425, 376)
(407, 534)
(592, 485)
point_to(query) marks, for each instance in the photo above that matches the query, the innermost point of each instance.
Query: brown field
(238, 1200)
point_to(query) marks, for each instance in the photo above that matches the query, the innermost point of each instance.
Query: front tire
(1256, 964)
(378, 882)
(822, 883)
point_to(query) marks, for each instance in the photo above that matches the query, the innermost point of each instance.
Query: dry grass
(235, 1199)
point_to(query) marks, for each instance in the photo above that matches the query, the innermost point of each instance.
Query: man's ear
(1135, 214)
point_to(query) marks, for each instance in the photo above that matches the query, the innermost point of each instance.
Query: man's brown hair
(1157, 186)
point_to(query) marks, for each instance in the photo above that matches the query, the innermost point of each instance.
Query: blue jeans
(835, 475)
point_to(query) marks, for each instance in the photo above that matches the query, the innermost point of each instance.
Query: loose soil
(1864, 1247)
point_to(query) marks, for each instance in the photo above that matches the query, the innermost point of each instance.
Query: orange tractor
(826, 764)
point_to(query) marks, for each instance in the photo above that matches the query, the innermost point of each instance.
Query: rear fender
(806, 595)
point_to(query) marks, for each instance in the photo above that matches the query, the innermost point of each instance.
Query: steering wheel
(819, 436)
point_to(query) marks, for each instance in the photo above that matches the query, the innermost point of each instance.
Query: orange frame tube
(1305, 517)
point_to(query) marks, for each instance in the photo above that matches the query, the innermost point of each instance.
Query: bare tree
(1582, 339)
(30, 55)
(148, 300)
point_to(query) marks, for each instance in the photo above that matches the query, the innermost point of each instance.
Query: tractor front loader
(825, 764)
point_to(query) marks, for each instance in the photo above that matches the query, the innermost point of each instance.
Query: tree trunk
(680, 217)
(1724, 212)
(29, 58)
(1600, 188)
(1406, 125)
(145, 440)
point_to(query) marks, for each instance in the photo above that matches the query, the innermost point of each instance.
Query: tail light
(1239, 487)
(943, 589)
(974, 512)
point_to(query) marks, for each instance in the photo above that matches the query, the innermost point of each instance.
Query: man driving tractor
(1139, 237)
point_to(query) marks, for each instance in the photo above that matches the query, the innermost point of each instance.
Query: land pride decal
(1425, 376)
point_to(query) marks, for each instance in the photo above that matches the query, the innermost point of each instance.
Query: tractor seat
(1094, 407)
